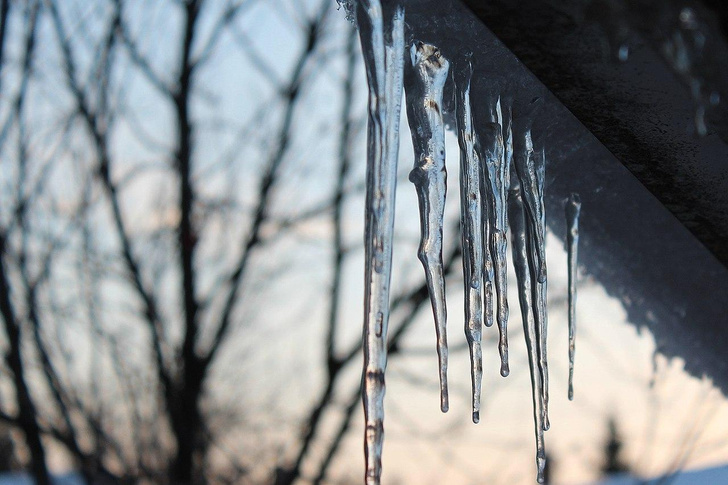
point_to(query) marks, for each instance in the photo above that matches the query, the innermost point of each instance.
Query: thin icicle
(382, 40)
(425, 82)
(520, 240)
(486, 204)
(471, 229)
(572, 209)
(499, 154)
(542, 317)
(530, 169)
(525, 163)
(486, 207)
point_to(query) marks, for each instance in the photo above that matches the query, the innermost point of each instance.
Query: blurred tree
(8, 459)
(548, 470)
(162, 164)
(95, 275)
(613, 462)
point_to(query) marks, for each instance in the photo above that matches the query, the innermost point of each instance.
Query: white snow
(21, 478)
(706, 476)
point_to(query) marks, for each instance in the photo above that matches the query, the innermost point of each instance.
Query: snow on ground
(705, 476)
(20, 478)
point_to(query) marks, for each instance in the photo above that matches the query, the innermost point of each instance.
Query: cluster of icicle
(501, 188)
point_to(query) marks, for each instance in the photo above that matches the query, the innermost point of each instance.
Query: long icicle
(425, 81)
(541, 317)
(530, 169)
(541, 310)
(471, 230)
(572, 209)
(520, 240)
(499, 167)
(382, 41)
(487, 209)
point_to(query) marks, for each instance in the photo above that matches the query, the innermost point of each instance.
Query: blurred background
(181, 274)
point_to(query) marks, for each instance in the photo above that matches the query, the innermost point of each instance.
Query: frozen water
(525, 164)
(530, 169)
(425, 80)
(521, 242)
(382, 41)
(499, 166)
(573, 208)
(471, 228)
(501, 178)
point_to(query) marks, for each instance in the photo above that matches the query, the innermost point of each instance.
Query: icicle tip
(444, 403)
(541, 464)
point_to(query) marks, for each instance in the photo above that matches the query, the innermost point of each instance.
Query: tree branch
(267, 181)
(98, 135)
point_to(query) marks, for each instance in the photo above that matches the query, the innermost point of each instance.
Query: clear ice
(572, 209)
(471, 229)
(381, 33)
(498, 158)
(530, 169)
(526, 170)
(522, 249)
(501, 180)
(425, 80)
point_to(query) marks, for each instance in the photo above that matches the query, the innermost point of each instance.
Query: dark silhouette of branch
(98, 134)
(4, 14)
(184, 408)
(268, 180)
(414, 299)
(89, 466)
(335, 444)
(261, 65)
(345, 161)
(139, 60)
(27, 411)
(224, 21)
(333, 365)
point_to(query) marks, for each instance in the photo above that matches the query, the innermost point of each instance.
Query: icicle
(542, 316)
(521, 248)
(425, 82)
(486, 203)
(498, 160)
(471, 229)
(486, 207)
(573, 208)
(525, 164)
(488, 275)
(530, 169)
(382, 42)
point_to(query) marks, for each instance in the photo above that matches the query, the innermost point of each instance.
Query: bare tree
(88, 55)
(139, 222)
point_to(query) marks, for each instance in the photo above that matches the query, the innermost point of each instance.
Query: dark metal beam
(642, 110)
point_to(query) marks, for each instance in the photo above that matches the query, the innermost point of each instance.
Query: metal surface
(641, 109)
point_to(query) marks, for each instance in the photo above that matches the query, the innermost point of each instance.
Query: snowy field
(24, 479)
(706, 476)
